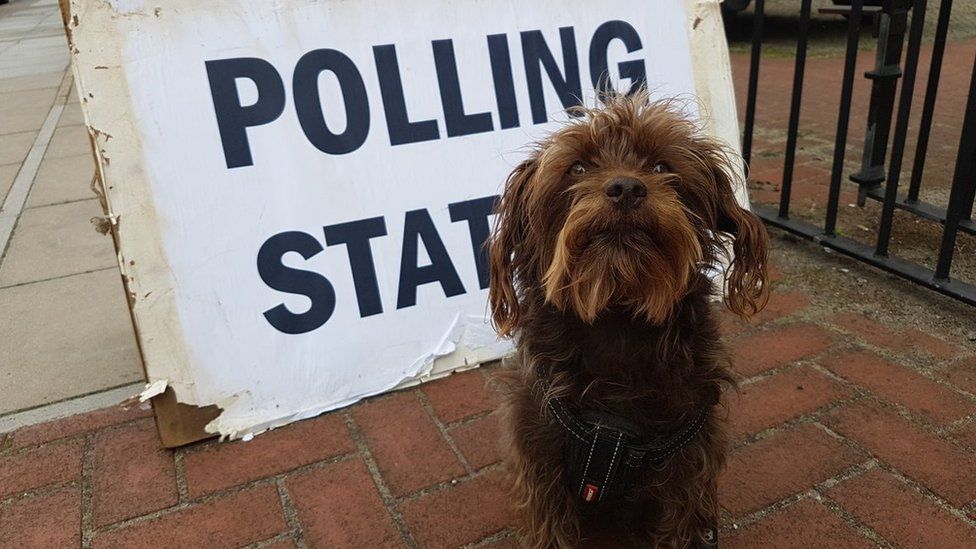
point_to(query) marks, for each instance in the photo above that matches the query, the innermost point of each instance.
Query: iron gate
(879, 176)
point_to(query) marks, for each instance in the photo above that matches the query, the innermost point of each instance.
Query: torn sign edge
(157, 387)
(96, 44)
(468, 342)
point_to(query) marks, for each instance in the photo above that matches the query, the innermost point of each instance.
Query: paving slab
(72, 115)
(16, 28)
(80, 342)
(36, 43)
(7, 175)
(62, 180)
(65, 338)
(55, 241)
(21, 111)
(31, 81)
(68, 141)
(33, 65)
(49, 40)
(14, 147)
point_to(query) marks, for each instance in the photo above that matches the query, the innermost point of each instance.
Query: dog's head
(621, 209)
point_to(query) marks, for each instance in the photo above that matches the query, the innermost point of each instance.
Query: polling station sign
(300, 190)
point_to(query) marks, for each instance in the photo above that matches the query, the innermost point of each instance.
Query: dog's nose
(625, 192)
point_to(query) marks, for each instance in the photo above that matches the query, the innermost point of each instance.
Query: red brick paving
(53, 464)
(784, 464)
(966, 435)
(781, 304)
(843, 420)
(881, 501)
(460, 396)
(133, 475)
(287, 543)
(479, 440)
(772, 401)
(732, 326)
(504, 543)
(804, 524)
(75, 425)
(248, 516)
(408, 448)
(945, 468)
(220, 466)
(47, 520)
(924, 397)
(462, 514)
(902, 340)
(779, 346)
(340, 507)
(962, 374)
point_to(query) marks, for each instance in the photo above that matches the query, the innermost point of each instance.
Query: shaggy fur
(611, 306)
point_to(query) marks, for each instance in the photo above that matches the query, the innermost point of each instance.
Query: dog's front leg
(546, 515)
(684, 511)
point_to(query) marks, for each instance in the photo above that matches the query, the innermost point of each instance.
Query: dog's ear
(506, 242)
(747, 288)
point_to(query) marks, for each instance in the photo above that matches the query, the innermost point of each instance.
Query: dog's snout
(625, 192)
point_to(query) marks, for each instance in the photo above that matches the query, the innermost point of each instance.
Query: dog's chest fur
(654, 376)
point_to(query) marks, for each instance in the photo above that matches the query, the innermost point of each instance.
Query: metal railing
(879, 177)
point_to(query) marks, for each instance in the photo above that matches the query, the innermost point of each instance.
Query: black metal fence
(881, 165)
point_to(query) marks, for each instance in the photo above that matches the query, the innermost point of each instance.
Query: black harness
(604, 453)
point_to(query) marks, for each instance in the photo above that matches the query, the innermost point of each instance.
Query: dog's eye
(660, 167)
(577, 169)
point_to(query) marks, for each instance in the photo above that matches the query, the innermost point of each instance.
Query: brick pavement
(851, 430)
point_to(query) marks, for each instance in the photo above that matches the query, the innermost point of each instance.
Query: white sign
(302, 188)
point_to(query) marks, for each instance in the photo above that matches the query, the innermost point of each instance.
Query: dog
(598, 265)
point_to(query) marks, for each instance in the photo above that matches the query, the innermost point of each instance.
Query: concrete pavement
(64, 327)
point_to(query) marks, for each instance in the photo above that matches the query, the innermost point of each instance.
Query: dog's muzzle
(604, 453)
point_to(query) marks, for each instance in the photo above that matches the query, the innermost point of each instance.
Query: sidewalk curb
(70, 407)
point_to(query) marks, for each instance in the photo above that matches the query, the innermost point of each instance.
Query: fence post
(892, 24)
(963, 184)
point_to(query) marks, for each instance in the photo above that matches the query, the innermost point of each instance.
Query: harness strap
(655, 453)
(604, 457)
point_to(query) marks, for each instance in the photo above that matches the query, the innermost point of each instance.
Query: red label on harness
(590, 492)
